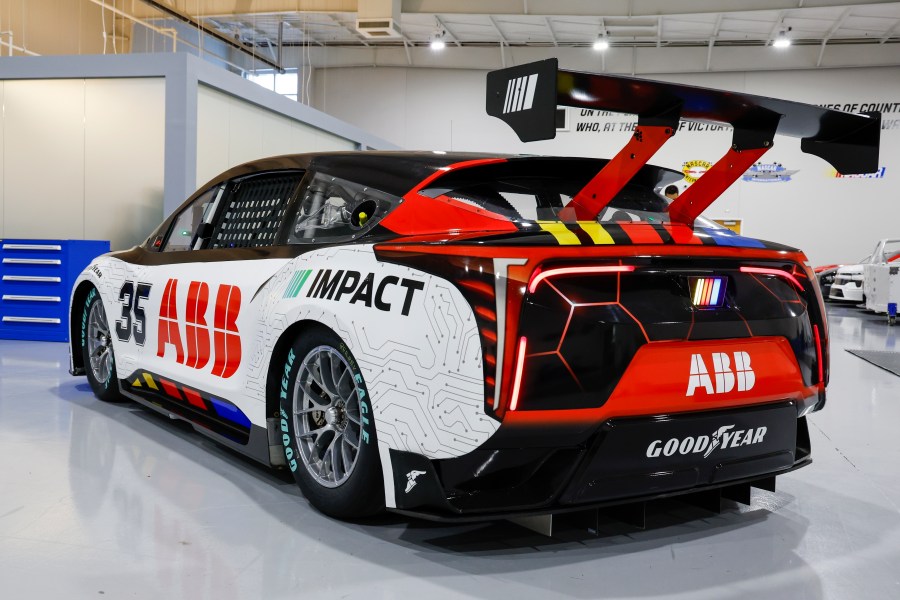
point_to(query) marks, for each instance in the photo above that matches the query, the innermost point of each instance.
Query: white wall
(82, 158)
(231, 131)
(833, 220)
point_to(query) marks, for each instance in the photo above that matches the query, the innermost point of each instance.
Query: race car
(848, 284)
(471, 336)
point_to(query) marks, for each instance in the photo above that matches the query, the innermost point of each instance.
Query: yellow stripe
(136, 383)
(150, 381)
(562, 234)
(596, 231)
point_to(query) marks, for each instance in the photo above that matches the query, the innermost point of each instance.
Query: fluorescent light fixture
(782, 40)
(601, 43)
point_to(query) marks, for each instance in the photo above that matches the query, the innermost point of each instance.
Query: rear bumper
(622, 461)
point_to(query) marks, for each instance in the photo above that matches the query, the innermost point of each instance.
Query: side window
(332, 209)
(254, 210)
(189, 221)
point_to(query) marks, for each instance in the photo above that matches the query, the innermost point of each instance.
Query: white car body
(850, 281)
(848, 284)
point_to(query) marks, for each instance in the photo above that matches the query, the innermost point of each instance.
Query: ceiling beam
(890, 32)
(712, 40)
(834, 29)
(443, 25)
(550, 29)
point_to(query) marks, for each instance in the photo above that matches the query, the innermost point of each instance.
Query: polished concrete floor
(111, 501)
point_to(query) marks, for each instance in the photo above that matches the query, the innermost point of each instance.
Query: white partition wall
(231, 130)
(73, 150)
(102, 147)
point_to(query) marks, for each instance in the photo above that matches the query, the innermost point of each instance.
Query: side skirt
(257, 446)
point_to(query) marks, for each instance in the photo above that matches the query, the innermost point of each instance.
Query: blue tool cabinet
(36, 278)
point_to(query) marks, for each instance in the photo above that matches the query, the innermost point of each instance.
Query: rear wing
(526, 97)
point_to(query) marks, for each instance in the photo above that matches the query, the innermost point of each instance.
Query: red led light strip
(539, 276)
(775, 272)
(819, 353)
(517, 382)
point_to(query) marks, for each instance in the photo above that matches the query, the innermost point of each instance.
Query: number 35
(133, 318)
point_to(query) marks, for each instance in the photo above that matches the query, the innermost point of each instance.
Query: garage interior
(114, 112)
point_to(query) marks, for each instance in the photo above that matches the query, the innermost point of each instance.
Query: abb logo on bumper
(725, 377)
(226, 340)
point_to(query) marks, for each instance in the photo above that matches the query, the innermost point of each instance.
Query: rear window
(538, 189)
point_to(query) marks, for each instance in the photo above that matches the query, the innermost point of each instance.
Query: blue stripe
(229, 411)
(728, 238)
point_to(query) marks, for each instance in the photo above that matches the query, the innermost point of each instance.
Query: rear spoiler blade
(526, 97)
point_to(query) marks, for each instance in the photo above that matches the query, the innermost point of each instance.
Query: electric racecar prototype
(473, 336)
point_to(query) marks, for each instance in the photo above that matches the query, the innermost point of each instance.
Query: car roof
(390, 171)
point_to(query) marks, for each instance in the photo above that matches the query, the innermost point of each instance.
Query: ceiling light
(601, 43)
(782, 40)
(437, 41)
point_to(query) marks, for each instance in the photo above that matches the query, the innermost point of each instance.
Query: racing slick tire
(97, 349)
(327, 427)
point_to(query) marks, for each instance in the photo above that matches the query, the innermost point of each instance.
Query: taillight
(775, 272)
(517, 378)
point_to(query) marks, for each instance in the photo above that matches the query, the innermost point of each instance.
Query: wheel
(97, 350)
(327, 427)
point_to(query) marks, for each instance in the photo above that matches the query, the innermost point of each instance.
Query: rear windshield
(538, 189)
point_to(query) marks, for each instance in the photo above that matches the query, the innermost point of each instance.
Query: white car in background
(849, 281)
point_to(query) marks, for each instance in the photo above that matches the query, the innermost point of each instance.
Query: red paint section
(168, 332)
(682, 234)
(703, 192)
(170, 388)
(478, 286)
(600, 190)
(196, 330)
(226, 338)
(641, 233)
(421, 215)
(194, 398)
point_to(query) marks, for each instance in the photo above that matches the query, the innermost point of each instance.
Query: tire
(97, 349)
(327, 427)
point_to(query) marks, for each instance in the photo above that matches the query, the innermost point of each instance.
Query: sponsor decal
(411, 479)
(694, 169)
(520, 93)
(879, 174)
(226, 340)
(725, 377)
(725, 436)
(295, 285)
(96, 271)
(356, 287)
(768, 173)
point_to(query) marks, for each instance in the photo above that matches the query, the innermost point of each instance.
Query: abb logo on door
(225, 348)
(725, 376)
